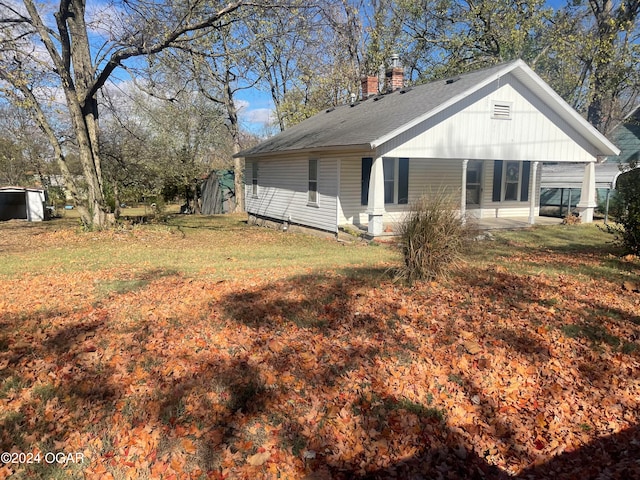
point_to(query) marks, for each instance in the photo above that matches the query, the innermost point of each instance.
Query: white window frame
(504, 181)
(479, 166)
(313, 197)
(396, 180)
(393, 180)
(254, 179)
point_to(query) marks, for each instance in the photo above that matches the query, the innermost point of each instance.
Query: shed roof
(370, 123)
(11, 189)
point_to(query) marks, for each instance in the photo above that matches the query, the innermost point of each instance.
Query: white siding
(351, 212)
(467, 130)
(283, 191)
(490, 209)
(425, 176)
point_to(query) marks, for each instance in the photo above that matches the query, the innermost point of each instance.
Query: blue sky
(257, 106)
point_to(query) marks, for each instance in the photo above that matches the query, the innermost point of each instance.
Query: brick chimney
(394, 76)
(369, 87)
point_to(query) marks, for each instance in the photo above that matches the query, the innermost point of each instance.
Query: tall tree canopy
(66, 45)
(55, 57)
(588, 50)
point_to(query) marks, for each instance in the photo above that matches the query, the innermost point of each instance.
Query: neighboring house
(562, 183)
(627, 137)
(482, 136)
(22, 204)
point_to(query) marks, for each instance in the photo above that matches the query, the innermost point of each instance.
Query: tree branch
(118, 57)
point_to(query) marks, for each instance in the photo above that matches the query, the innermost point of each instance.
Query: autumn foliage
(154, 372)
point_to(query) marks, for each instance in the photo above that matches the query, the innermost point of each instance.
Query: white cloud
(260, 115)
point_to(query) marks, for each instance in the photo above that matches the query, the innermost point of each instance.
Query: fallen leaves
(630, 286)
(323, 375)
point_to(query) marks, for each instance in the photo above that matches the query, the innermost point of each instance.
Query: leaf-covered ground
(524, 364)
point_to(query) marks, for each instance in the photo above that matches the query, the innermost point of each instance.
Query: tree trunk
(86, 132)
(234, 130)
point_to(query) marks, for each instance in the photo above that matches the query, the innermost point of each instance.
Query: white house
(482, 135)
(22, 204)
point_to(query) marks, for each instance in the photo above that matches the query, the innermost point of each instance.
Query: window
(511, 181)
(389, 166)
(474, 182)
(313, 181)
(396, 180)
(254, 179)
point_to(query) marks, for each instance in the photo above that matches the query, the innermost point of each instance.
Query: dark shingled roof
(361, 124)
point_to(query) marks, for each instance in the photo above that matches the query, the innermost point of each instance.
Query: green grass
(594, 333)
(309, 295)
(208, 245)
(189, 245)
(553, 250)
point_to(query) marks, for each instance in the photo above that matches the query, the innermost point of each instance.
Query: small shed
(218, 193)
(22, 204)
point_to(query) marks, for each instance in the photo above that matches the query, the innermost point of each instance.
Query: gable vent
(501, 110)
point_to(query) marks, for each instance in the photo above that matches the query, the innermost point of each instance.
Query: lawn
(206, 348)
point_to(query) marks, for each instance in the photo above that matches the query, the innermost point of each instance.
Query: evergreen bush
(626, 212)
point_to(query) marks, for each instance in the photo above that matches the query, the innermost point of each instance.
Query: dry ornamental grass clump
(433, 238)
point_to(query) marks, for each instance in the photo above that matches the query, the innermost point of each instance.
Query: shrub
(626, 212)
(571, 219)
(432, 238)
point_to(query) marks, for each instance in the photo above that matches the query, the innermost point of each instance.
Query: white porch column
(375, 207)
(533, 192)
(463, 200)
(587, 203)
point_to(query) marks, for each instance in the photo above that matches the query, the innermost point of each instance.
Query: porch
(484, 224)
(514, 223)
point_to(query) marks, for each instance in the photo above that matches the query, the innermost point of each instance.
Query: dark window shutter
(524, 185)
(403, 181)
(366, 174)
(497, 180)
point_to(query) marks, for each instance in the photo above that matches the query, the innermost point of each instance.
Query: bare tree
(80, 66)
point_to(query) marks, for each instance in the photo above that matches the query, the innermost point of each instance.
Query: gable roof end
(371, 123)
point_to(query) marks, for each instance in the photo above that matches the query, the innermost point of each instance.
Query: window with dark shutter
(396, 180)
(254, 179)
(512, 181)
(474, 182)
